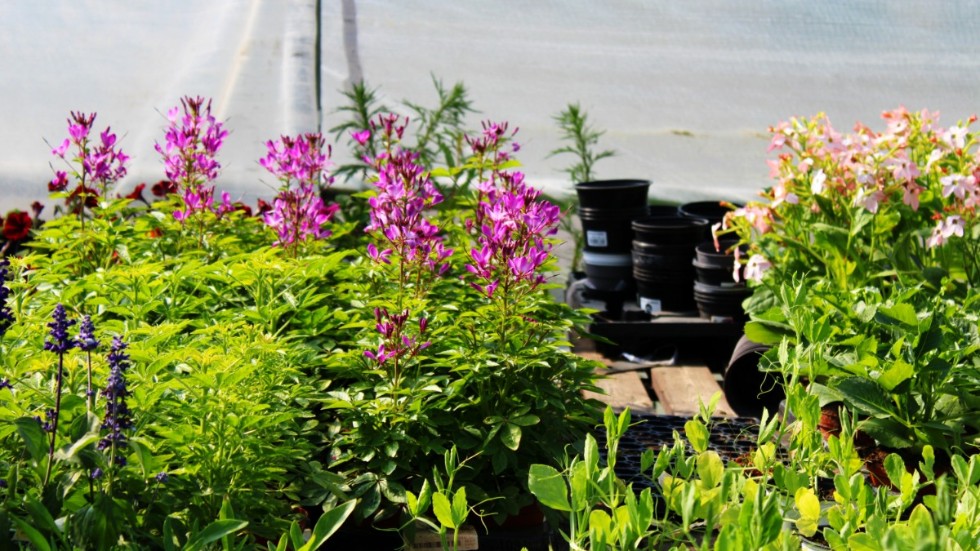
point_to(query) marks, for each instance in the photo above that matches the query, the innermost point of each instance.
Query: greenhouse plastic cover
(685, 91)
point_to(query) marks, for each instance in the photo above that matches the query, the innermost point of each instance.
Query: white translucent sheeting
(685, 90)
(132, 61)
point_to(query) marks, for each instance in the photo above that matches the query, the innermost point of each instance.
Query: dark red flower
(137, 193)
(91, 196)
(243, 207)
(164, 188)
(17, 226)
(263, 208)
(60, 182)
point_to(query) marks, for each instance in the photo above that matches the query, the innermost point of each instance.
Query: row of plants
(181, 370)
(863, 261)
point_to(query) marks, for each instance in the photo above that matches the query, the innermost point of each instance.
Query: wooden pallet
(679, 390)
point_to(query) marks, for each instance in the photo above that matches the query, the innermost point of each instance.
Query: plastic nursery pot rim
(600, 259)
(609, 185)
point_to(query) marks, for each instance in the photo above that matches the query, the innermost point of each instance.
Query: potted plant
(455, 340)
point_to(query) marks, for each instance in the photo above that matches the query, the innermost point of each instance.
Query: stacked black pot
(663, 251)
(718, 295)
(606, 209)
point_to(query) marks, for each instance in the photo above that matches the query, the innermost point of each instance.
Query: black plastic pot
(748, 389)
(612, 194)
(720, 303)
(715, 267)
(606, 208)
(663, 249)
(712, 211)
(608, 272)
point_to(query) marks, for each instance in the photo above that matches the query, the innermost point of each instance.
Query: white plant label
(651, 305)
(596, 239)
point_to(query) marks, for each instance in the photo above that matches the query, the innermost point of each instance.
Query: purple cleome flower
(189, 155)
(101, 162)
(405, 192)
(514, 224)
(299, 213)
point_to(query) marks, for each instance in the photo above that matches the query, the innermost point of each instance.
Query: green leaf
(526, 420)
(897, 373)
(328, 524)
(808, 505)
(41, 516)
(460, 508)
(443, 510)
(697, 435)
(214, 532)
(865, 395)
(888, 432)
(901, 313)
(895, 467)
(32, 534)
(711, 469)
(548, 486)
(66, 454)
(169, 539)
(766, 333)
(511, 436)
(34, 438)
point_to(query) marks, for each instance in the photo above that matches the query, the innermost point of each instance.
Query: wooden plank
(620, 389)
(679, 388)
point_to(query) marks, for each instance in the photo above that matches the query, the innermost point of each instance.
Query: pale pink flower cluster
(915, 175)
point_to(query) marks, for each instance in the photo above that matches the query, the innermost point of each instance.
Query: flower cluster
(100, 163)
(514, 227)
(404, 193)
(396, 341)
(299, 213)
(117, 415)
(59, 342)
(193, 139)
(850, 206)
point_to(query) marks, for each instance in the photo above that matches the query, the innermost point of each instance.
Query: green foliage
(581, 139)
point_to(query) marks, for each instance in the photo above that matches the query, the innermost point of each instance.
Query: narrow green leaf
(328, 524)
(214, 532)
(32, 534)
